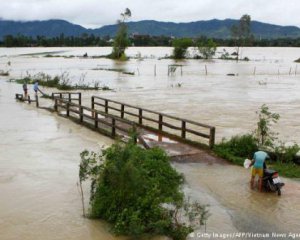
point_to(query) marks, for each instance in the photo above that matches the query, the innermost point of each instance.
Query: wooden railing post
(81, 113)
(122, 110)
(79, 98)
(160, 122)
(135, 133)
(93, 106)
(70, 99)
(55, 105)
(113, 127)
(60, 95)
(140, 116)
(29, 100)
(96, 119)
(106, 106)
(68, 109)
(36, 100)
(212, 137)
(183, 129)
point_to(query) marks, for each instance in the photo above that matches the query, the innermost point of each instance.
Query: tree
(265, 136)
(180, 47)
(241, 33)
(207, 48)
(121, 41)
(138, 192)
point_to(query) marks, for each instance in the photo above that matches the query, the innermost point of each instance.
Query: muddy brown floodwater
(39, 152)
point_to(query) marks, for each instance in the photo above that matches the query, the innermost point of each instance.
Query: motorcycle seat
(269, 172)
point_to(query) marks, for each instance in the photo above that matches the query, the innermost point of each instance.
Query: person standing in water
(258, 161)
(36, 87)
(25, 89)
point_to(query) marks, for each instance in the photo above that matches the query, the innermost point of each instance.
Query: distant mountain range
(212, 28)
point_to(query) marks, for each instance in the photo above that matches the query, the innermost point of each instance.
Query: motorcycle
(271, 181)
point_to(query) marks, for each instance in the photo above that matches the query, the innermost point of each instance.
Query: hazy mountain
(212, 28)
(50, 28)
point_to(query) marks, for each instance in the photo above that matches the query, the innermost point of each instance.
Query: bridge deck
(118, 126)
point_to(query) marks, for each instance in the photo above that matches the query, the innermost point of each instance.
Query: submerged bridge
(178, 136)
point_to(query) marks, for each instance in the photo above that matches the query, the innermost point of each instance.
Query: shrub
(180, 47)
(286, 154)
(237, 148)
(138, 192)
(290, 169)
(207, 49)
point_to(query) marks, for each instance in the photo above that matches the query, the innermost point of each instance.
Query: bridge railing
(70, 96)
(182, 129)
(107, 124)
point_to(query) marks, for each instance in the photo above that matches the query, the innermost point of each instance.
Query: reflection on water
(40, 152)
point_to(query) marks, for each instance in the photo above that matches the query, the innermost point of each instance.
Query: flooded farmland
(40, 151)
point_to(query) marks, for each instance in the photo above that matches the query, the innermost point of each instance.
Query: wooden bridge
(115, 119)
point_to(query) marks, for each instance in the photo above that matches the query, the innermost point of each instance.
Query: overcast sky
(96, 13)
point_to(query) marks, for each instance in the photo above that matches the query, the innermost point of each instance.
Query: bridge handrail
(160, 121)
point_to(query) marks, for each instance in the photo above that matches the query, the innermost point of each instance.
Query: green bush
(290, 169)
(62, 82)
(207, 48)
(137, 191)
(285, 154)
(237, 148)
(180, 47)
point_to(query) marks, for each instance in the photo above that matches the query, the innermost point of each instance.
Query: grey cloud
(95, 13)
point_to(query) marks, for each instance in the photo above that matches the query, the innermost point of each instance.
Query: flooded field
(40, 151)
(227, 102)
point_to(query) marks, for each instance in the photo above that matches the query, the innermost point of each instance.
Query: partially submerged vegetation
(4, 73)
(61, 82)
(121, 41)
(180, 47)
(75, 56)
(240, 147)
(139, 193)
(114, 70)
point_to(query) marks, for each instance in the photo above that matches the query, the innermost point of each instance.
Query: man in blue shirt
(258, 161)
(36, 86)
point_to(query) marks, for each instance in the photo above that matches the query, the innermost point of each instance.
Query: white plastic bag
(247, 163)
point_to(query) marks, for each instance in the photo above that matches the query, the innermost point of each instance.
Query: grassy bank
(61, 82)
(238, 148)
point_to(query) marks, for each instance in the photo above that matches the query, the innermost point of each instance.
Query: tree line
(86, 40)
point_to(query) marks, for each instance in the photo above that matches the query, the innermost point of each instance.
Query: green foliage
(289, 169)
(138, 192)
(121, 41)
(265, 136)
(57, 41)
(286, 154)
(61, 82)
(237, 148)
(207, 48)
(138, 40)
(180, 47)
(240, 147)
